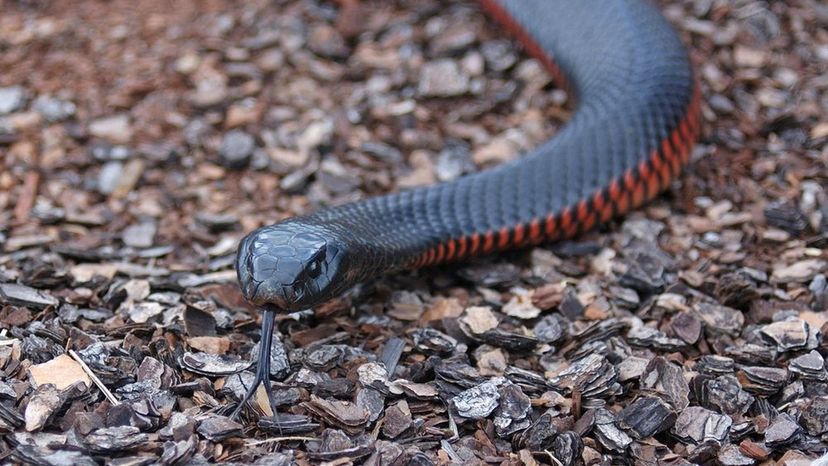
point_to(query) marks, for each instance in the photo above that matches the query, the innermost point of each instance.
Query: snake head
(289, 266)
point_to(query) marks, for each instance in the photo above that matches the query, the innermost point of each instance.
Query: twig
(109, 396)
(279, 439)
(4, 341)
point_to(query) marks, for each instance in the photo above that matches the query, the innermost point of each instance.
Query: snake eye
(314, 269)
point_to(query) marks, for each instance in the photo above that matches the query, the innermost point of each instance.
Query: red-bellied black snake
(633, 130)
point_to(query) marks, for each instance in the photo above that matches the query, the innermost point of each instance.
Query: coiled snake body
(636, 121)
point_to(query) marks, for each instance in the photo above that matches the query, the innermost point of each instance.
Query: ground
(139, 141)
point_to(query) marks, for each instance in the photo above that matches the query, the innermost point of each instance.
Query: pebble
(116, 129)
(480, 401)
(499, 54)
(22, 295)
(326, 41)
(798, 272)
(452, 36)
(316, 134)
(209, 91)
(53, 109)
(453, 161)
(11, 99)
(140, 235)
(63, 371)
(442, 78)
(500, 149)
(236, 148)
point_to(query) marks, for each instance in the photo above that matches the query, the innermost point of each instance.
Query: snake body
(632, 132)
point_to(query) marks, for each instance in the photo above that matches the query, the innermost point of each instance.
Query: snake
(630, 135)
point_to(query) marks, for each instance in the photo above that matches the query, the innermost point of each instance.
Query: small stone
(442, 78)
(789, 335)
(142, 312)
(608, 434)
(550, 328)
(316, 134)
(632, 368)
(568, 448)
(719, 319)
(326, 41)
(799, 272)
(479, 401)
(814, 416)
(218, 428)
(108, 440)
(11, 99)
(53, 109)
(115, 129)
(210, 90)
(499, 54)
(478, 320)
(109, 176)
(211, 345)
(21, 295)
(422, 172)
(725, 393)
(810, 366)
(432, 341)
(397, 419)
(406, 306)
(242, 113)
(270, 60)
(500, 149)
(513, 411)
(140, 235)
(782, 430)
(236, 148)
(646, 417)
(43, 405)
(62, 372)
(730, 455)
(213, 365)
(490, 362)
(697, 425)
(748, 57)
(664, 377)
(521, 306)
(187, 64)
(687, 327)
(453, 161)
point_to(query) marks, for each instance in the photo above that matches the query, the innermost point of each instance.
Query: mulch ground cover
(139, 141)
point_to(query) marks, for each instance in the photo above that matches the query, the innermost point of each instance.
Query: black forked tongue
(263, 365)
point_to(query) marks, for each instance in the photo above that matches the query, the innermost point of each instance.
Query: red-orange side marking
(567, 223)
(488, 241)
(441, 253)
(463, 245)
(502, 16)
(678, 144)
(535, 231)
(475, 244)
(451, 249)
(588, 222)
(667, 154)
(550, 227)
(583, 210)
(503, 238)
(520, 235)
(638, 194)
